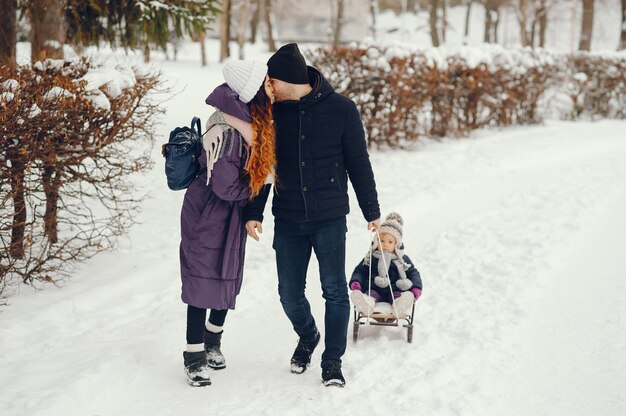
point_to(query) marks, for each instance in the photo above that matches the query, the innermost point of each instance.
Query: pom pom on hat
(244, 77)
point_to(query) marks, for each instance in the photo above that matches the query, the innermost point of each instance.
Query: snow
(518, 234)
(57, 92)
(114, 79)
(9, 85)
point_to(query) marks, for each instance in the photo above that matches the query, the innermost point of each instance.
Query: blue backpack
(181, 155)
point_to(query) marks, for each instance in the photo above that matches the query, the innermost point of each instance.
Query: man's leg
(293, 252)
(329, 243)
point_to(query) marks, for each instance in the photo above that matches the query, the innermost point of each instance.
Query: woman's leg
(217, 317)
(213, 338)
(195, 328)
(196, 365)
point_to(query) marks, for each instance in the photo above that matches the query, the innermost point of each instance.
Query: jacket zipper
(338, 176)
(306, 210)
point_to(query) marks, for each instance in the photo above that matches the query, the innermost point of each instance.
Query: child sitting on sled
(406, 282)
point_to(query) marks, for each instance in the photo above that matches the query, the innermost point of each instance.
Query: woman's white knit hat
(245, 77)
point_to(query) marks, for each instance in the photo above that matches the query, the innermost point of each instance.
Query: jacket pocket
(337, 177)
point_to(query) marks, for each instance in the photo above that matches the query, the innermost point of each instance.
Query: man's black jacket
(319, 142)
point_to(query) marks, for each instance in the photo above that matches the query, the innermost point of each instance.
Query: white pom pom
(404, 284)
(381, 281)
(394, 216)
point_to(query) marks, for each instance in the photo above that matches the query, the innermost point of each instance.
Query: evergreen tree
(137, 23)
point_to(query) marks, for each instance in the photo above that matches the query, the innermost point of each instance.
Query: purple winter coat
(213, 234)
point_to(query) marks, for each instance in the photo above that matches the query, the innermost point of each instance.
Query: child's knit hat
(393, 226)
(244, 77)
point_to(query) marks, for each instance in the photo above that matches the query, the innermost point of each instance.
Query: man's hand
(372, 224)
(252, 227)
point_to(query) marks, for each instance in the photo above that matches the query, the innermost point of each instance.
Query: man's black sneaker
(301, 357)
(331, 374)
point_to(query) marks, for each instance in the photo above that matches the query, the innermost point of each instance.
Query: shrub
(72, 134)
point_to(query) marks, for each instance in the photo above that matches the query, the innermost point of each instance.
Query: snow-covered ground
(519, 235)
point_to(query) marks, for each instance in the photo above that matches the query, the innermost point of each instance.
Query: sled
(384, 316)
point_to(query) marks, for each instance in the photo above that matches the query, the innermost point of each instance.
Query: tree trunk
(492, 18)
(467, 20)
(338, 23)
(254, 24)
(373, 14)
(622, 43)
(18, 170)
(200, 39)
(225, 30)
(434, 30)
(51, 184)
(496, 24)
(587, 26)
(8, 14)
(47, 29)
(267, 15)
(523, 22)
(243, 26)
(444, 19)
(542, 14)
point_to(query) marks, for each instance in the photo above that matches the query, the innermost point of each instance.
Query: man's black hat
(288, 65)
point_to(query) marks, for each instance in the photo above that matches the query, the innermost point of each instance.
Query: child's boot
(212, 344)
(197, 369)
(404, 302)
(362, 302)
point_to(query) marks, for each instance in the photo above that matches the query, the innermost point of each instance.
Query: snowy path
(519, 235)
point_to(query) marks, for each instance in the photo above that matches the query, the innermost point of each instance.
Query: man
(319, 142)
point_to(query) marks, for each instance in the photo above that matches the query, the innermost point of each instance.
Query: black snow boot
(212, 344)
(301, 357)
(197, 369)
(331, 374)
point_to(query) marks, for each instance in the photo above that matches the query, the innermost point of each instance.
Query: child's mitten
(404, 284)
(355, 286)
(417, 292)
(381, 281)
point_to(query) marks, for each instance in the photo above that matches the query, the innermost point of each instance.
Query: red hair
(262, 160)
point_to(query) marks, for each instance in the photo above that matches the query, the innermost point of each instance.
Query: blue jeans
(293, 243)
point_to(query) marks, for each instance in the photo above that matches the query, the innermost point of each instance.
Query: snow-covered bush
(596, 85)
(404, 93)
(72, 134)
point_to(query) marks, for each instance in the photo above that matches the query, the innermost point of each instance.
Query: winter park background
(519, 233)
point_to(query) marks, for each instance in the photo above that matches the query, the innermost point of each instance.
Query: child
(406, 282)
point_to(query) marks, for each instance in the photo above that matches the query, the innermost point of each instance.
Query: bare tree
(492, 19)
(8, 12)
(254, 22)
(225, 30)
(200, 37)
(338, 23)
(467, 19)
(434, 20)
(622, 43)
(373, 14)
(267, 16)
(541, 16)
(47, 29)
(243, 26)
(587, 26)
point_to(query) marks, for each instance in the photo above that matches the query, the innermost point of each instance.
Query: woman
(238, 158)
